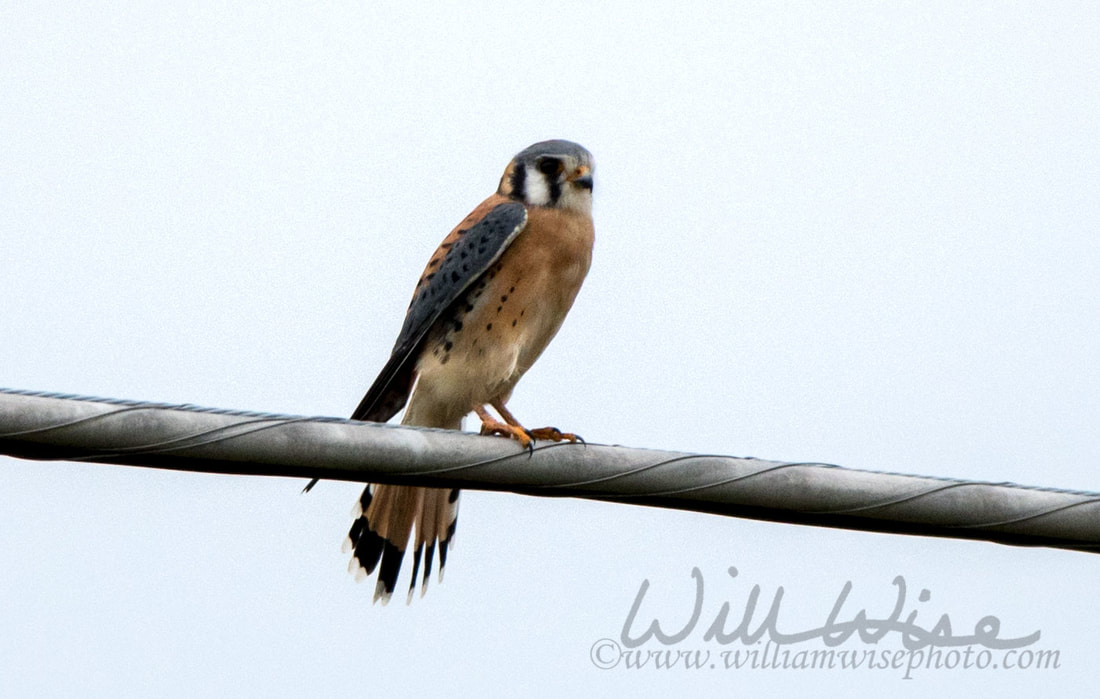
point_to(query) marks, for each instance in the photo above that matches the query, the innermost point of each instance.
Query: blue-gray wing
(463, 257)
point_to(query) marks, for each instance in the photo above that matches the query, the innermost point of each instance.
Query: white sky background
(865, 235)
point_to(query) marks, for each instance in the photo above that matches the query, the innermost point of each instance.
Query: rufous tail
(391, 518)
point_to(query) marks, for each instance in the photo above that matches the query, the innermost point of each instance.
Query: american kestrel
(492, 296)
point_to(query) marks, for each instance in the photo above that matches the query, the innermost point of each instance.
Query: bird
(490, 299)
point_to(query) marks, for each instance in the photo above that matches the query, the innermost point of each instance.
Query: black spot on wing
(470, 256)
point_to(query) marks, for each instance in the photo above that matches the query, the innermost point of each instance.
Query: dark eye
(549, 166)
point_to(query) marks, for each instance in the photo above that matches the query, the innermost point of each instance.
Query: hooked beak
(582, 177)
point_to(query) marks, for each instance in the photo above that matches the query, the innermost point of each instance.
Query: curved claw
(511, 428)
(553, 434)
(491, 426)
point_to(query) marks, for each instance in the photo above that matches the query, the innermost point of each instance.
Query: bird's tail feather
(382, 532)
(385, 518)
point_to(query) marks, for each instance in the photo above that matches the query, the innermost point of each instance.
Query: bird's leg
(552, 434)
(490, 425)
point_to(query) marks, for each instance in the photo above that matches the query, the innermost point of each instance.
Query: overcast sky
(863, 234)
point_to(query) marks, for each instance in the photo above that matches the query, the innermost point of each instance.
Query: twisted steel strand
(50, 426)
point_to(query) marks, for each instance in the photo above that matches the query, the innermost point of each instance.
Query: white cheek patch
(538, 191)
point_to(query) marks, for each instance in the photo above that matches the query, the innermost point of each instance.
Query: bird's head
(555, 174)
